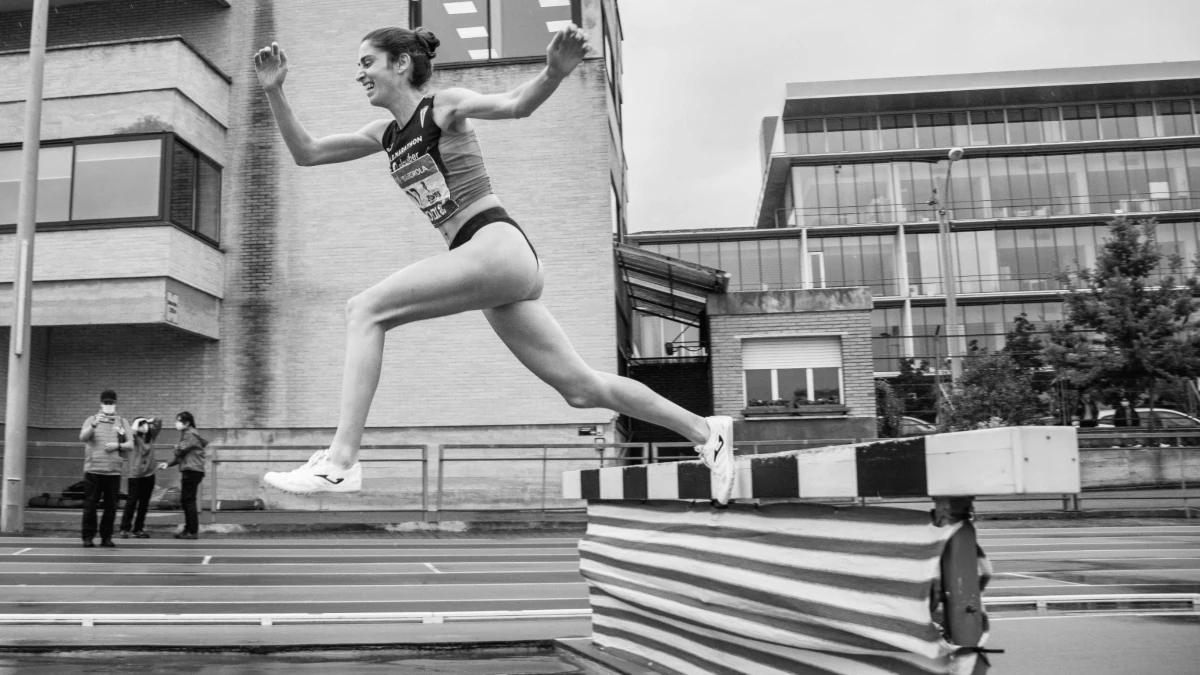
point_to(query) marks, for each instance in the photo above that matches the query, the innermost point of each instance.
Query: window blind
(768, 353)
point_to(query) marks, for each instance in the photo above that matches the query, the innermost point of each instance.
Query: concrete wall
(843, 311)
(1138, 467)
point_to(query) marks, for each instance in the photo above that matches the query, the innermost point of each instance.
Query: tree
(995, 389)
(1134, 315)
(1023, 345)
(916, 388)
(888, 410)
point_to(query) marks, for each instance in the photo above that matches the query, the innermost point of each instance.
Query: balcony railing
(883, 211)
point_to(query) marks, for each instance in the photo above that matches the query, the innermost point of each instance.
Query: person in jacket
(106, 442)
(189, 455)
(1126, 415)
(141, 476)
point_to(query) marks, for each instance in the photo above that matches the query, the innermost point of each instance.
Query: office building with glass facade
(849, 170)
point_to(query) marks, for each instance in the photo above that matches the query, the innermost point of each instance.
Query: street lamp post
(954, 330)
(12, 516)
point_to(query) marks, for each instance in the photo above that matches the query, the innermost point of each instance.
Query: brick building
(185, 261)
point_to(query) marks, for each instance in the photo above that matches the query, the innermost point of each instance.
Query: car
(912, 426)
(1163, 418)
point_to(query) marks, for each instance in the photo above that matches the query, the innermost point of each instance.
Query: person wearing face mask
(189, 455)
(106, 442)
(141, 476)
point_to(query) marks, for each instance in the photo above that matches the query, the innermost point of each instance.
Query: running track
(55, 576)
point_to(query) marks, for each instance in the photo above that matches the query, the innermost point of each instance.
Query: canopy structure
(668, 287)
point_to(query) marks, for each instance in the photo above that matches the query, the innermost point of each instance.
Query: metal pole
(953, 329)
(12, 519)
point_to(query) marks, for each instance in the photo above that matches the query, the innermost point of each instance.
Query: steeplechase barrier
(779, 582)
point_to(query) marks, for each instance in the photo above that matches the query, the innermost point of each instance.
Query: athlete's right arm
(270, 63)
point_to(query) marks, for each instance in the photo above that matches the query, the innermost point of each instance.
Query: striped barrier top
(1002, 461)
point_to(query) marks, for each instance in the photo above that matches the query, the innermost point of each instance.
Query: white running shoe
(717, 454)
(317, 475)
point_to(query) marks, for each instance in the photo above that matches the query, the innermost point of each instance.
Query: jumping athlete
(491, 265)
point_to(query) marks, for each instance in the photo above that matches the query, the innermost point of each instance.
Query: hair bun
(428, 40)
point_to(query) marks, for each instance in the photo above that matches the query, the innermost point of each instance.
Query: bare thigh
(533, 335)
(496, 267)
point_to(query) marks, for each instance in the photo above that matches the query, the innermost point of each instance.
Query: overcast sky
(701, 74)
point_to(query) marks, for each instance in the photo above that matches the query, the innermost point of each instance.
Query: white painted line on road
(436, 570)
(22, 551)
(206, 559)
(1089, 615)
(286, 602)
(256, 573)
(1060, 530)
(993, 589)
(93, 587)
(1058, 581)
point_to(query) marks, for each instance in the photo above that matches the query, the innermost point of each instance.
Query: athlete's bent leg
(496, 267)
(538, 342)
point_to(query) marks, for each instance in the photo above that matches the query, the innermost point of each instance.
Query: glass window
(689, 251)
(847, 203)
(827, 385)
(1193, 176)
(1139, 179)
(758, 385)
(793, 383)
(999, 197)
(751, 266)
(1018, 182)
(835, 139)
(208, 200)
(896, 132)
(789, 262)
(1079, 123)
(1025, 125)
(827, 195)
(1059, 185)
(804, 137)
(731, 262)
(475, 30)
(1077, 181)
(1177, 180)
(54, 184)
(1174, 118)
(1039, 185)
(804, 187)
(1051, 125)
(925, 131)
(852, 132)
(183, 185)
(1009, 266)
(1118, 181)
(1097, 183)
(768, 254)
(117, 180)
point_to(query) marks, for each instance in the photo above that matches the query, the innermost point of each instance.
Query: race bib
(424, 183)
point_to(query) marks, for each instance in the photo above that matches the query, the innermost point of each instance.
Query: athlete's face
(380, 78)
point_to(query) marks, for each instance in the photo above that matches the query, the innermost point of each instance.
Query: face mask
(179, 426)
(108, 409)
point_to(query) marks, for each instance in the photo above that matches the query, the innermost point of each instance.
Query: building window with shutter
(792, 371)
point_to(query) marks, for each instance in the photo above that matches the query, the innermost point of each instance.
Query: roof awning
(668, 287)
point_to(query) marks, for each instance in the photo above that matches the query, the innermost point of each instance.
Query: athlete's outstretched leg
(536, 339)
(492, 269)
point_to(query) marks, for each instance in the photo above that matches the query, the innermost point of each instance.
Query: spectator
(1088, 412)
(105, 445)
(189, 455)
(141, 476)
(1126, 415)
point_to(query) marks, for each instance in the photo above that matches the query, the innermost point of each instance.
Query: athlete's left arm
(566, 50)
